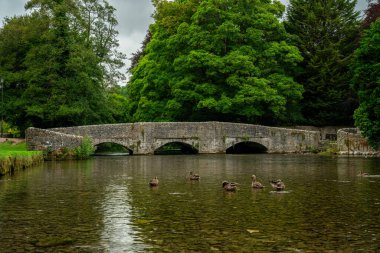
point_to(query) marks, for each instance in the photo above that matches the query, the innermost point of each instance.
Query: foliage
(117, 100)
(56, 65)
(12, 131)
(86, 149)
(325, 32)
(216, 60)
(138, 55)
(366, 82)
(98, 24)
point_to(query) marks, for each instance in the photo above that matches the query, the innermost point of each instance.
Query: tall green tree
(216, 60)
(366, 82)
(54, 74)
(98, 24)
(326, 33)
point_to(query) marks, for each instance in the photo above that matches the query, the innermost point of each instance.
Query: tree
(325, 32)
(54, 73)
(366, 81)
(98, 24)
(138, 55)
(216, 60)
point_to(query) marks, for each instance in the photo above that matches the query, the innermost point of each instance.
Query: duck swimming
(361, 174)
(194, 176)
(255, 184)
(278, 185)
(153, 182)
(229, 186)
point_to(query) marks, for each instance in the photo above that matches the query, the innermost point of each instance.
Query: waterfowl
(229, 186)
(194, 176)
(361, 174)
(256, 184)
(278, 185)
(153, 181)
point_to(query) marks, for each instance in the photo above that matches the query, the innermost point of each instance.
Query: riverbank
(14, 156)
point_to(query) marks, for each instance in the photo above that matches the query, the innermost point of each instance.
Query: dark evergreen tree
(325, 32)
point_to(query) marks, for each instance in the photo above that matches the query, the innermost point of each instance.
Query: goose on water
(229, 186)
(278, 185)
(255, 184)
(153, 181)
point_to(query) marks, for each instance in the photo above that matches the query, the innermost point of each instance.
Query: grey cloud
(10, 8)
(133, 15)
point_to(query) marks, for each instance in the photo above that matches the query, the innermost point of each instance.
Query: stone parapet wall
(327, 133)
(206, 137)
(351, 142)
(43, 139)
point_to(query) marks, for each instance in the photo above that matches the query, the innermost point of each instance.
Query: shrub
(85, 149)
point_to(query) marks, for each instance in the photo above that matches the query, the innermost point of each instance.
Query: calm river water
(106, 205)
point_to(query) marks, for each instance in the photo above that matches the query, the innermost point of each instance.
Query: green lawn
(9, 149)
(14, 157)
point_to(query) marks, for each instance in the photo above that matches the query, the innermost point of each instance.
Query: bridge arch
(176, 147)
(111, 146)
(246, 147)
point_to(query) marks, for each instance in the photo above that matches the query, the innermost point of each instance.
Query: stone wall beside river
(351, 142)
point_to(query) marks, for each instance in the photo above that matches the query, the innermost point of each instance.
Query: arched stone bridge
(204, 137)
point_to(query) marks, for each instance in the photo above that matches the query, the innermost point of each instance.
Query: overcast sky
(134, 17)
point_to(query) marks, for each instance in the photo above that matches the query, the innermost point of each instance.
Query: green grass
(9, 149)
(15, 157)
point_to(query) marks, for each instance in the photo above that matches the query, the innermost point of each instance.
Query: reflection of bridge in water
(201, 137)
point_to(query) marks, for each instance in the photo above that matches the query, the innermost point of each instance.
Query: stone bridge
(203, 137)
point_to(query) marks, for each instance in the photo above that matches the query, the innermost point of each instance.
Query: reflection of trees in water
(197, 216)
(52, 203)
(106, 204)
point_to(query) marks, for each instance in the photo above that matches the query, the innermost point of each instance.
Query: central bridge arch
(176, 148)
(187, 145)
(111, 147)
(247, 147)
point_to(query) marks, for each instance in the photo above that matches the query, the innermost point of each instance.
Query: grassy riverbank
(15, 157)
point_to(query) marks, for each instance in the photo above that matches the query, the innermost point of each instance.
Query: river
(105, 205)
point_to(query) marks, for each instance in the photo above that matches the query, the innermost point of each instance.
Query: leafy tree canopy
(366, 82)
(216, 60)
(54, 62)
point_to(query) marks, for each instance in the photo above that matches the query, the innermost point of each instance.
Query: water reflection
(119, 234)
(106, 205)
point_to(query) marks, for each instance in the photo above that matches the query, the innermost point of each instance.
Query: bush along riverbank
(14, 157)
(82, 152)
